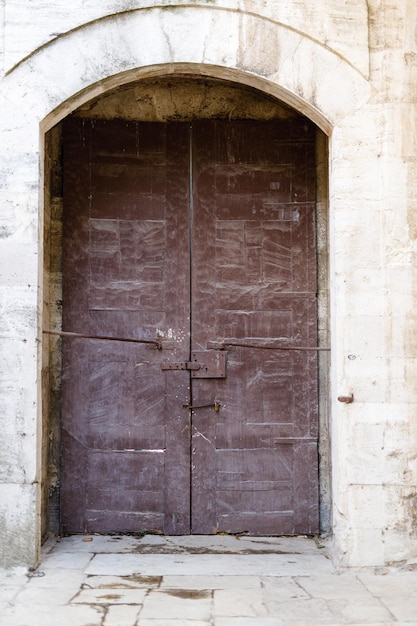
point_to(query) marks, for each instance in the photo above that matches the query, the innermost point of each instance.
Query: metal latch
(203, 364)
(181, 365)
(216, 405)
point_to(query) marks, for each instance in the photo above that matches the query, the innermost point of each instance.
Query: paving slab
(8, 592)
(267, 602)
(193, 544)
(206, 564)
(13, 577)
(66, 560)
(248, 621)
(390, 583)
(317, 612)
(287, 545)
(283, 587)
(121, 615)
(181, 604)
(44, 596)
(174, 622)
(202, 581)
(3, 607)
(238, 603)
(100, 543)
(403, 609)
(335, 586)
(122, 582)
(211, 582)
(237, 544)
(110, 596)
(397, 592)
(351, 610)
(56, 578)
(60, 615)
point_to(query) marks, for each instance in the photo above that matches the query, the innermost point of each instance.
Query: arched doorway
(190, 222)
(84, 63)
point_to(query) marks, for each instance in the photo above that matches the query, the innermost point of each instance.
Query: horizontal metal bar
(225, 344)
(61, 333)
(215, 404)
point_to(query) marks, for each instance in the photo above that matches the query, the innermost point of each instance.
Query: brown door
(200, 240)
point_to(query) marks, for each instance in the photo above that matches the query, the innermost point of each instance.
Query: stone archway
(106, 54)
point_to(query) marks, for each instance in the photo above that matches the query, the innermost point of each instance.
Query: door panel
(125, 459)
(234, 261)
(254, 281)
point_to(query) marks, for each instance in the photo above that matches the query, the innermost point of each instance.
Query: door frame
(52, 319)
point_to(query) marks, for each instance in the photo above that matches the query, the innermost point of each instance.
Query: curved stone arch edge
(231, 75)
(303, 77)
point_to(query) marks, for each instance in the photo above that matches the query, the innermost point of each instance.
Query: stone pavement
(202, 581)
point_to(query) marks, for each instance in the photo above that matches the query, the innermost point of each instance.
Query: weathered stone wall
(31, 25)
(373, 318)
(352, 68)
(51, 345)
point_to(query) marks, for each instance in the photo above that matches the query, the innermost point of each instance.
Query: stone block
(18, 264)
(211, 582)
(184, 604)
(357, 239)
(34, 596)
(69, 560)
(19, 536)
(42, 614)
(364, 547)
(111, 596)
(122, 614)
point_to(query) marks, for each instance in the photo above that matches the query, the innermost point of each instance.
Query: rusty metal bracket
(226, 343)
(213, 363)
(214, 404)
(61, 333)
(346, 399)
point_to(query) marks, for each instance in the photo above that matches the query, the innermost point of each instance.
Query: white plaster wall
(316, 58)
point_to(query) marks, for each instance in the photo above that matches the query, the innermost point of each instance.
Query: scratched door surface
(125, 448)
(201, 236)
(254, 282)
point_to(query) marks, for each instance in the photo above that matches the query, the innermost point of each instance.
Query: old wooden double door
(200, 239)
